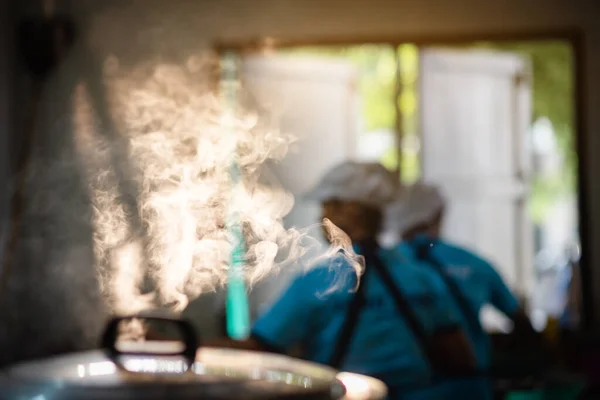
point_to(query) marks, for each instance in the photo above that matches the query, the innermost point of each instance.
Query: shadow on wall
(80, 193)
(52, 302)
(56, 298)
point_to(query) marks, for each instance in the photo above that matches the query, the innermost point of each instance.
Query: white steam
(126, 195)
(161, 189)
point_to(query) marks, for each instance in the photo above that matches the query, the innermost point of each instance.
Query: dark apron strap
(424, 340)
(472, 319)
(400, 300)
(349, 325)
(375, 264)
(372, 261)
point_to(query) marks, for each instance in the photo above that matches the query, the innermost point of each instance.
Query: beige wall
(5, 111)
(135, 30)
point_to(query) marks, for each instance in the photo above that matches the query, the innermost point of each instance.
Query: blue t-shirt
(478, 282)
(313, 308)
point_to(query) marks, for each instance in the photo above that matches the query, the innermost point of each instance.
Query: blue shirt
(477, 280)
(313, 308)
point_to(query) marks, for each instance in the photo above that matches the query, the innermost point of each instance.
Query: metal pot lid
(216, 374)
(160, 370)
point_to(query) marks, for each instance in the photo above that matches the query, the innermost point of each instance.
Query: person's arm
(501, 297)
(287, 322)
(505, 301)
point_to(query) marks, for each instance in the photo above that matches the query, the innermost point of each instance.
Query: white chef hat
(369, 183)
(415, 204)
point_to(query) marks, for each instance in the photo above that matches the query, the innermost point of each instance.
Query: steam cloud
(127, 196)
(179, 156)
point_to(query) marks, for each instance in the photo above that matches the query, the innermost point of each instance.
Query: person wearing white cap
(396, 326)
(472, 281)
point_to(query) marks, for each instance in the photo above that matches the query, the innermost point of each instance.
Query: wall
(134, 31)
(5, 120)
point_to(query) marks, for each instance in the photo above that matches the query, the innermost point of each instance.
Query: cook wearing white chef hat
(417, 209)
(370, 183)
(472, 281)
(354, 195)
(367, 331)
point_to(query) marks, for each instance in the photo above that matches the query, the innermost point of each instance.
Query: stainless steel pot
(179, 370)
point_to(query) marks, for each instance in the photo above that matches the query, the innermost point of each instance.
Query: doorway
(491, 123)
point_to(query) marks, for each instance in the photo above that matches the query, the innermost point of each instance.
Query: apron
(472, 318)
(375, 265)
(479, 380)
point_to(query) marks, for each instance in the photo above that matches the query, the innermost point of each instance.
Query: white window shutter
(475, 110)
(316, 101)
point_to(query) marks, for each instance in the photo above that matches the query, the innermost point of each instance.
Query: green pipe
(237, 306)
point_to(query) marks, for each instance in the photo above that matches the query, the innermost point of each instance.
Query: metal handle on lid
(186, 330)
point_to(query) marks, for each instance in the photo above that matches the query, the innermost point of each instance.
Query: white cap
(369, 183)
(416, 204)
